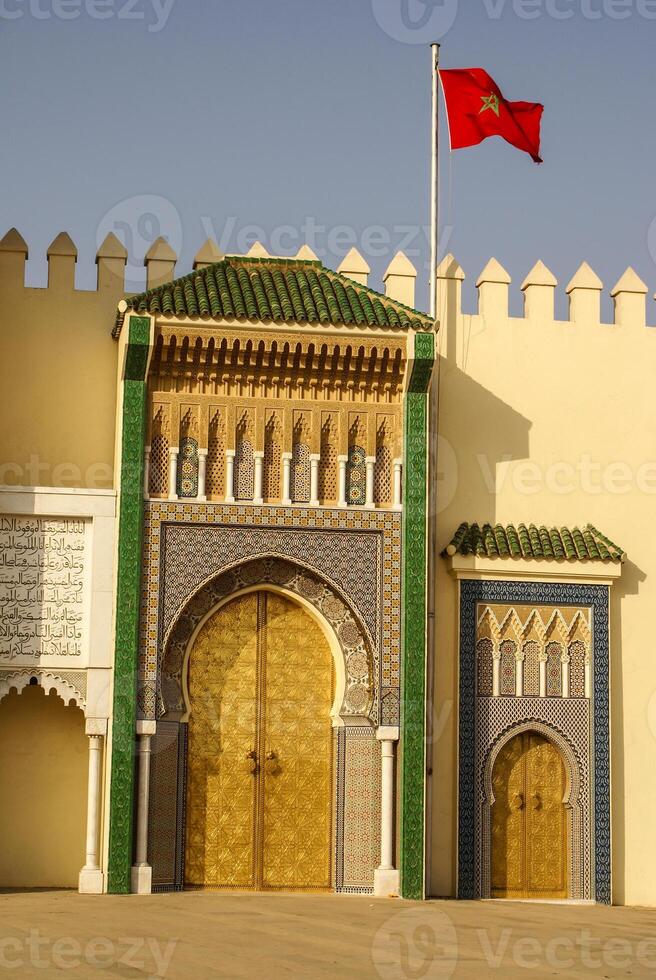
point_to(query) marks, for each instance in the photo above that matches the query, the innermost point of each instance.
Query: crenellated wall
(553, 422)
(58, 369)
(59, 365)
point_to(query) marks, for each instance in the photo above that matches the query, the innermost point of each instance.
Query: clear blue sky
(312, 117)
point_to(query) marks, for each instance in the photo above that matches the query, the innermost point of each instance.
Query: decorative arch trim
(312, 611)
(342, 627)
(20, 679)
(571, 759)
(268, 556)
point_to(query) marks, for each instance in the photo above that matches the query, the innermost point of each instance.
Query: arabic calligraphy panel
(44, 567)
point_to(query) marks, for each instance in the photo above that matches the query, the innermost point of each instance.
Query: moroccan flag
(476, 109)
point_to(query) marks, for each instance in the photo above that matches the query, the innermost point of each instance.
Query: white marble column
(369, 462)
(543, 675)
(386, 877)
(146, 482)
(314, 479)
(91, 878)
(286, 479)
(564, 675)
(496, 673)
(258, 479)
(341, 480)
(397, 471)
(142, 873)
(230, 476)
(519, 675)
(173, 472)
(202, 474)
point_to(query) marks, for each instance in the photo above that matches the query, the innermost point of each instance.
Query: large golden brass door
(259, 783)
(528, 820)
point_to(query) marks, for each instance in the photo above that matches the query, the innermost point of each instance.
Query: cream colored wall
(43, 776)
(553, 422)
(57, 376)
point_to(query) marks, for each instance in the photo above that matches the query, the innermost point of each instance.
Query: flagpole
(435, 61)
(431, 480)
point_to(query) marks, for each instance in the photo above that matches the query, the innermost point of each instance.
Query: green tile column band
(130, 530)
(413, 673)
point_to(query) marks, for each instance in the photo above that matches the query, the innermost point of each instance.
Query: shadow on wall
(491, 430)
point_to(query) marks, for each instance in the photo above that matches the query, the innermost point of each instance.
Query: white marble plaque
(43, 571)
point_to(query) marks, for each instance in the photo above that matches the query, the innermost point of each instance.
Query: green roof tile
(277, 290)
(533, 543)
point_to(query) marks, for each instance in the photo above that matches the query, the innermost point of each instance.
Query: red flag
(476, 109)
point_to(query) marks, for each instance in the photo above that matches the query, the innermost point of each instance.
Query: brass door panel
(546, 835)
(528, 823)
(297, 770)
(260, 748)
(222, 731)
(507, 824)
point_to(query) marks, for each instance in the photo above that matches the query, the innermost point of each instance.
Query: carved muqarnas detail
(360, 698)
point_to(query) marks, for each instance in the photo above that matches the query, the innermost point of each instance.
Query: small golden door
(528, 820)
(259, 783)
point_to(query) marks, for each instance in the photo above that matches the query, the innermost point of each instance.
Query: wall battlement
(111, 259)
(160, 262)
(539, 287)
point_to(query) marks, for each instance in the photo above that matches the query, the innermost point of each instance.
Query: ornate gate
(529, 824)
(259, 785)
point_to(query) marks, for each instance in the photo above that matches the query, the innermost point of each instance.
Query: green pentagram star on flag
(490, 101)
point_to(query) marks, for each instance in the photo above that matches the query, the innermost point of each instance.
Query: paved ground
(197, 935)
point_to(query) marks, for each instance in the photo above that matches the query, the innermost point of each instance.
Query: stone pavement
(197, 935)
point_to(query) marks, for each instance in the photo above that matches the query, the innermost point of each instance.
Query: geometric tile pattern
(356, 475)
(415, 621)
(358, 809)
(193, 554)
(356, 553)
(126, 640)
(187, 478)
(579, 727)
(165, 815)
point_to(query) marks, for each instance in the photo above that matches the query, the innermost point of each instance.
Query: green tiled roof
(278, 291)
(531, 542)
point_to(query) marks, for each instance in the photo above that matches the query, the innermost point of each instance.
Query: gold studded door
(296, 816)
(221, 788)
(528, 820)
(507, 823)
(260, 749)
(546, 820)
